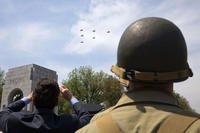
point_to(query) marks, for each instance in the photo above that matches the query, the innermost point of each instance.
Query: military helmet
(152, 50)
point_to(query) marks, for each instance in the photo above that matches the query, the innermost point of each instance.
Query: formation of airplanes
(82, 35)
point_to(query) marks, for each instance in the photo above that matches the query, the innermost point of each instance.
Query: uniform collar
(147, 96)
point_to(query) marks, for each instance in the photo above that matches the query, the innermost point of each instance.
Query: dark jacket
(13, 120)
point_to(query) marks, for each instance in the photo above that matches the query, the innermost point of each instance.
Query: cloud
(31, 35)
(115, 15)
(58, 8)
(27, 37)
(102, 17)
(36, 28)
(6, 6)
(61, 70)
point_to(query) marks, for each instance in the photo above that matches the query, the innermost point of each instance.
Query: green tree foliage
(112, 90)
(1, 82)
(63, 106)
(97, 87)
(93, 87)
(183, 103)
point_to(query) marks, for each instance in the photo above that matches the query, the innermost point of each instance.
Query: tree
(1, 82)
(112, 90)
(98, 87)
(93, 87)
(63, 106)
(183, 103)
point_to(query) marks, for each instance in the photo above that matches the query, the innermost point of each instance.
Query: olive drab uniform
(144, 112)
(151, 51)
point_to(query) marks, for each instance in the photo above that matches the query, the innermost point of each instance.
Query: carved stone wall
(20, 81)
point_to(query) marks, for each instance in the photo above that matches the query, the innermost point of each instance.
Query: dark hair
(46, 94)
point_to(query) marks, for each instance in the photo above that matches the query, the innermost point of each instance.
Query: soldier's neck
(166, 87)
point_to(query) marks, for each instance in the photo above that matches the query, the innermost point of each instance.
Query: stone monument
(20, 81)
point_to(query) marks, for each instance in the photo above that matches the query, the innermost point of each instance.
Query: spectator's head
(46, 94)
(152, 50)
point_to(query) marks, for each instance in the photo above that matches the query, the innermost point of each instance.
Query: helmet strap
(120, 72)
(125, 77)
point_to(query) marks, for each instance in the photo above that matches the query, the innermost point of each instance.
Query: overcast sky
(47, 33)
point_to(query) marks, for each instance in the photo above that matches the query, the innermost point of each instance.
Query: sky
(47, 33)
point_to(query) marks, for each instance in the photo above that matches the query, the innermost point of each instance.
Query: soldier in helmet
(152, 55)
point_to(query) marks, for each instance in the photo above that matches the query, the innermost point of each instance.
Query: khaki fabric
(171, 126)
(107, 121)
(142, 112)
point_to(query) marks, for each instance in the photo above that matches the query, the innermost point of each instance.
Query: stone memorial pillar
(20, 81)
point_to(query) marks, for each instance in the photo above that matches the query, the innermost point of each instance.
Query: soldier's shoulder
(193, 120)
(190, 114)
(194, 127)
(89, 128)
(101, 114)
